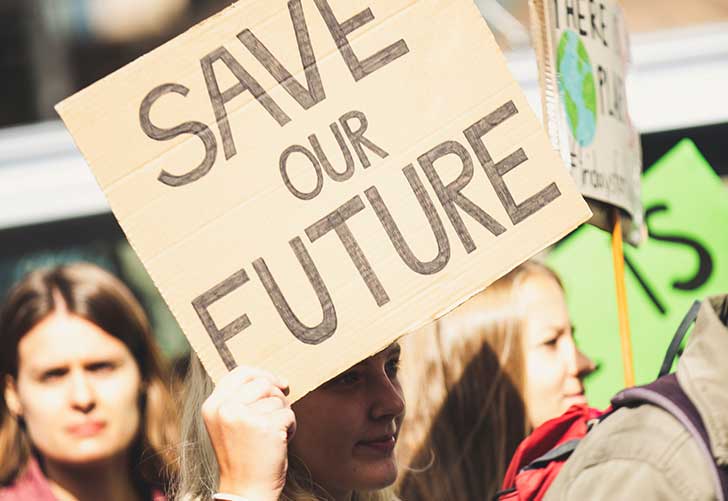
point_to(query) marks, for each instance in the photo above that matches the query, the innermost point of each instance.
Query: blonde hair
(198, 477)
(97, 296)
(465, 385)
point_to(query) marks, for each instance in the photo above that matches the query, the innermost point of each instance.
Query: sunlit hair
(91, 293)
(463, 377)
(198, 477)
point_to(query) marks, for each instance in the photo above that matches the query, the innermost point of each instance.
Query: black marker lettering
(603, 90)
(395, 235)
(581, 17)
(357, 137)
(705, 260)
(197, 128)
(570, 21)
(283, 166)
(306, 97)
(323, 159)
(337, 221)
(496, 171)
(339, 31)
(651, 294)
(593, 21)
(309, 335)
(450, 195)
(221, 337)
(218, 99)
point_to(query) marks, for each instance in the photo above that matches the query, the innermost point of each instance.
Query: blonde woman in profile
(85, 413)
(480, 378)
(245, 441)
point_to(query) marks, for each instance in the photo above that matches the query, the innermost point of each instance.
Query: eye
(52, 375)
(551, 342)
(348, 378)
(392, 367)
(101, 367)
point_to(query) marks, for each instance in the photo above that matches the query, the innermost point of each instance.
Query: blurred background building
(51, 209)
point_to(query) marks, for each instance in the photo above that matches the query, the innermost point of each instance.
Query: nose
(81, 393)
(584, 364)
(388, 399)
(579, 365)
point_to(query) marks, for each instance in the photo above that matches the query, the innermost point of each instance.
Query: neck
(109, 480)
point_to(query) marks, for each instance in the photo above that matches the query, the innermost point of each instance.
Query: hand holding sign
(282, 245)
(249, 421)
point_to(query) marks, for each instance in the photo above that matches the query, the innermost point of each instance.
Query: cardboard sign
(685, 259)
(307, 180)
(582, 50)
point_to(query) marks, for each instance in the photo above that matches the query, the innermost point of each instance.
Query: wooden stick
(622, 311)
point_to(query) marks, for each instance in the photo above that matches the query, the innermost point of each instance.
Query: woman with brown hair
(85, 413)
(244, 441)
(480, 378)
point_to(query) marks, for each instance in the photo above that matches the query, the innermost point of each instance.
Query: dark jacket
(644, 453)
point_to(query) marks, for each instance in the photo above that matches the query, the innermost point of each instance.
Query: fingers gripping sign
(250, 421)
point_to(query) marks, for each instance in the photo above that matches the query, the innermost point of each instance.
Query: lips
(575, 398)
(381, 445)
(86, 429)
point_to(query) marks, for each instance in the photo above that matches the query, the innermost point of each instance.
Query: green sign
(685, 258)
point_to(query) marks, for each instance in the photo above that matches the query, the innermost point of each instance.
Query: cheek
(121, 398)
(43, 411)
(46, 413)
(325, 435)
(545, 374)
(320, 432)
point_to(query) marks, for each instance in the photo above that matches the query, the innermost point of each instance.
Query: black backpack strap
(562, 451)
(674, 347)
(667, 394)
(559, 452)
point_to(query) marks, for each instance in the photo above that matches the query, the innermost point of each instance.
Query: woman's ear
(10, 393)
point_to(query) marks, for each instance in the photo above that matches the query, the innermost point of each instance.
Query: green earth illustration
(576, 86)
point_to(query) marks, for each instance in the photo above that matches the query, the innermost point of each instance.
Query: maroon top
(33, 485)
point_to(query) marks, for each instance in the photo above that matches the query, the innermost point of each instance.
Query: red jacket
(532, 484)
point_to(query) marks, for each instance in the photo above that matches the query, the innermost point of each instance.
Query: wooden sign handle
(622, 311)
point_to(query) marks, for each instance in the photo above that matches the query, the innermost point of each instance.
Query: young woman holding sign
(486, 374)
(84, 412)
(245, 441)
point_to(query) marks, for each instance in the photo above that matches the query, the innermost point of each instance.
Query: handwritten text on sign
(305, 181)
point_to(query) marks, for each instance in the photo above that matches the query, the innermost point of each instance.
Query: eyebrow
(44, 366)
(40, 370)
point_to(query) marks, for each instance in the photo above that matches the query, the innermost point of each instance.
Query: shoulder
(30, 484)
(641, 453)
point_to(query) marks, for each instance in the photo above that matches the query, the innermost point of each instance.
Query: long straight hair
(464, 377)
(199, 474)
(97, 296)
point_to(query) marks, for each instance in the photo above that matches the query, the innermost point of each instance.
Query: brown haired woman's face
(348, 427)
(554, 365)
(77, 390)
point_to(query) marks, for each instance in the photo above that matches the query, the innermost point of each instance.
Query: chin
(378, 476)
(86, 454)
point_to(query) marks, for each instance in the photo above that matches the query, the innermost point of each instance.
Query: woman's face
(554, 365)
(347, 428)
(77, 390)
